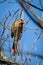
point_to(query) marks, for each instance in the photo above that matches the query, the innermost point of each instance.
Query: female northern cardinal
(16, 32)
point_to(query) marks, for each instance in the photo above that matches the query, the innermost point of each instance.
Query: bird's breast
(16, 24)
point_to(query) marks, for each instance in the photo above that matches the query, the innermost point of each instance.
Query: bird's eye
(21, 20)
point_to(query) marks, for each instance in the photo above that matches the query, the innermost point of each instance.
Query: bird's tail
(14, 49)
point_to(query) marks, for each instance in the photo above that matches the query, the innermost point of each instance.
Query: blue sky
(29, 35)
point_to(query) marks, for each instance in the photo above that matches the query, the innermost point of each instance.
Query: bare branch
(40, 21)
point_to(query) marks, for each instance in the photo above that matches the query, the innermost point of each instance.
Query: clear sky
(29, 35)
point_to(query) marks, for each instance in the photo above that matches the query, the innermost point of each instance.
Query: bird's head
(22, 21)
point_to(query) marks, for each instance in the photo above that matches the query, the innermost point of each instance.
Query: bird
(16, 32)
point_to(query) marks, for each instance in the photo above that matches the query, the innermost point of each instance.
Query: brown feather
(16, 30)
